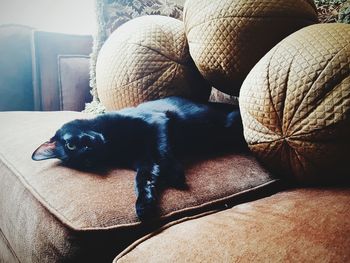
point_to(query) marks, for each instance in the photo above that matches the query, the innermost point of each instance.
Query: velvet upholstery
(301, 225)
(50, 213)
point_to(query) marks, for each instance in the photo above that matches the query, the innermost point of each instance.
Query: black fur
(148, 138)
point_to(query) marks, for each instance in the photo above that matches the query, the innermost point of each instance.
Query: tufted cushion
(227, 38)
(295, 104)
(147, 58)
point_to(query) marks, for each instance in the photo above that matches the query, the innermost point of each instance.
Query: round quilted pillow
(295, 105)
(147, 58)
(227, 38)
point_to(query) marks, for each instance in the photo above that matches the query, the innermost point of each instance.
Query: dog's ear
(45, 151)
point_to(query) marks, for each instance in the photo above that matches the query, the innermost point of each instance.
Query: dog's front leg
(147, 180)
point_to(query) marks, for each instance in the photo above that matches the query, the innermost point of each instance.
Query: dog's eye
(70, 146)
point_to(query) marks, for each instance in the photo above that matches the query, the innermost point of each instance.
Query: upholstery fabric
(333, 11)
(147, 58)
(117, 12)
(303, 225)
(295, 105)
(112, 14)
(7, 255)
(50, 213)
(228, 37)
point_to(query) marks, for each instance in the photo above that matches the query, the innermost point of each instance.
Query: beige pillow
(295, 105)
(227, 38)
(147, 58)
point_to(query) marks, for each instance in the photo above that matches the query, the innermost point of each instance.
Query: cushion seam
(190, 217)
(9, 245)
(139, 241)
(73, 226)
(158, 52)
(311, 89)
(222, 199)
(36, 195)
(164, 68)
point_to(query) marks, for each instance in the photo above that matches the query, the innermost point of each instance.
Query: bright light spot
(64, 16)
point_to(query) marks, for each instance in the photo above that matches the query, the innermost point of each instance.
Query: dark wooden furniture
(16, 92)
(43, 71)
(49, 51)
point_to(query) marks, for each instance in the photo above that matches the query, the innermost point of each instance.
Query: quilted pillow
(147, 58)
(295, 105)
(227, 38)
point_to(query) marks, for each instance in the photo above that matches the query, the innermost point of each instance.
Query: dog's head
(75, 143)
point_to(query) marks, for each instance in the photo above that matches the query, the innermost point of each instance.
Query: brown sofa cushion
(147, 58)
(302, 225)
(295, 105)
(227, 38)
(49, 212)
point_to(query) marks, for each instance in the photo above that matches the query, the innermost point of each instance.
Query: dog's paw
(146, 208)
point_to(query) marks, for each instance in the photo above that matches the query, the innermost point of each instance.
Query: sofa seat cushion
(49, 212)
(301, 225)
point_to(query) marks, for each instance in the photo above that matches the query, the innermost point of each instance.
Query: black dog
(147, 138)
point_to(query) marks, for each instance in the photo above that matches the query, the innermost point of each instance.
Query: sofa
(236, 208)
